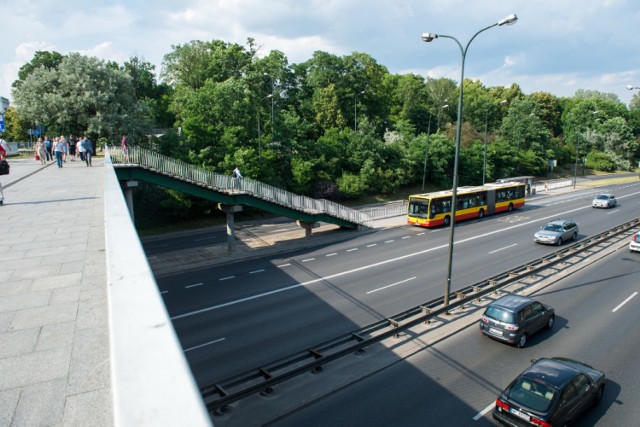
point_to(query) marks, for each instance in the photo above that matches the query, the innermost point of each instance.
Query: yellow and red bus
(434, 209)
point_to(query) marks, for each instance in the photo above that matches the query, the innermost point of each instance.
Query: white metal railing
(175, 168)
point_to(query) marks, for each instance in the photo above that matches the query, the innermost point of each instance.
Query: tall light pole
(632, 87)
(484, 151)
(355, 111)
(260, 134)
(442, 107)
(428, 37)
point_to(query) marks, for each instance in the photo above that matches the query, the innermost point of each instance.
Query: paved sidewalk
(54, 336)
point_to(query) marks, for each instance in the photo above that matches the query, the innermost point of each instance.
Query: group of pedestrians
(62, 148)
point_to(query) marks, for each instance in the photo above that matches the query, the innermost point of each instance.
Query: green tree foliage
(15, 129)
(41, 59)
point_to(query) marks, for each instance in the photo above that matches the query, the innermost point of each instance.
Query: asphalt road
(455, 382)
(234, 317)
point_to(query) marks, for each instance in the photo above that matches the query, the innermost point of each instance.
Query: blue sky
(557, 46)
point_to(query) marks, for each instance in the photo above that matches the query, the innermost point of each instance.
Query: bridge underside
(226, 197)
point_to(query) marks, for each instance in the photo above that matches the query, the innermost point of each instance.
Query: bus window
(418, 208)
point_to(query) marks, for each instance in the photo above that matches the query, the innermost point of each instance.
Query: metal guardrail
(218, 396)
(140, 157)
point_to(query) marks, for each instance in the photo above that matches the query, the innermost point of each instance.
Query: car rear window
(532, 394)
(500, 314)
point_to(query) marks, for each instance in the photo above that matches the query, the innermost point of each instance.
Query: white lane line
(164, 292)
(284, 265)
(351, 250)
(372, 245)
(391, 285)
(502, 249)
(204, 345)
(194, 285)
(204, 238)
(484, 412)
(227, 278)
(257, 271)
(406, 237)
(612, 212)
(624, 302)
(389, 241)
(332, 254)
(308, 259)
(366, 267)
(420, 234)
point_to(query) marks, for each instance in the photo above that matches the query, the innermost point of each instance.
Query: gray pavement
(54, 341)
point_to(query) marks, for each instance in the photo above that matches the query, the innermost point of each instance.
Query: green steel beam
(141, 174)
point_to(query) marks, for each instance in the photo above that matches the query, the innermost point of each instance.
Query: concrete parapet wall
(151, 380)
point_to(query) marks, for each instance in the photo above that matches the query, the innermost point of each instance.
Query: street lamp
(426, 152)
(484, 153)
(440, 113)
(632, 87)
(428, 37)
(355, 111)
(259, 133)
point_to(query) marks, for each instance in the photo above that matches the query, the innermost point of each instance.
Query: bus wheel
(446, 221)
(510, 208)
(480, 213)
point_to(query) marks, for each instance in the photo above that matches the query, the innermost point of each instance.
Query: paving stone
(42, 271)
(56, 336)
(5, 320)
(24, 301)
(57, 281)
(41, 404)
(14, 288)
(8, 404)
(13, 343)
(89, 369)
(37, 367)
(68, 294)
(47, 315)
(89, 409)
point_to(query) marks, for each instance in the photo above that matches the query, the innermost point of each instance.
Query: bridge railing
(168, 166)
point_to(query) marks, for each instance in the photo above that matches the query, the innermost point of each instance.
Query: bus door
(491, 201)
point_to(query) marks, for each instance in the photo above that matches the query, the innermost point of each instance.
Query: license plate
(495, 331)
(520, 414)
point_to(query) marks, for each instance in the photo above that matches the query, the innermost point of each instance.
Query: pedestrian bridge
(230, 193)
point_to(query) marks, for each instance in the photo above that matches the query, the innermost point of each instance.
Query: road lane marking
(391, 285)
(257, 271)
(389, 241)
(406, 237)
(372, 245)
(502, 249)
(624, 302)
(420, 234)
(332, 254)
(612, 212)
(366, 267)
(284, 265)
(205, 238)
(308, 259)
(164, 292)
(484, 411)
(351, 250)
(204, 345)
(227, 278)
(194, 285)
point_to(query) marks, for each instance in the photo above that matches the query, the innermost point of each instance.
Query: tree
(15, 129)
(41, 59)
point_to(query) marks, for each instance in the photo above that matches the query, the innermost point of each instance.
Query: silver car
(556, 232)
(606, 200)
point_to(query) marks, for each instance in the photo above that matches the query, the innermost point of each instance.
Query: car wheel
(550, 322)
(480, 213)
(447, 221)
(510, 208)
(575, 236)
(522, 341)
(559, 241)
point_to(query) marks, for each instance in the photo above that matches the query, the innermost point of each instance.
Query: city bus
(434, 209)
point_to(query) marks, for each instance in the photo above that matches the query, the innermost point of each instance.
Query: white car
(634, 246)
(605, 200)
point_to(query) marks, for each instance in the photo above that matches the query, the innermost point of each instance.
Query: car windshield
(552, 227)
(602, 197)
(532, 394)
(500, 314)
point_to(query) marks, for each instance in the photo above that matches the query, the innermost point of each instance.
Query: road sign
(1, 122)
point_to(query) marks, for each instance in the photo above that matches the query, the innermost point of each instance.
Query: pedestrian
(4, 150)
(41, 151)
(72, 147)
(66, 148)
(87, 148)
(48, 146)
(125, 148)
(237, 177)
(58, 150)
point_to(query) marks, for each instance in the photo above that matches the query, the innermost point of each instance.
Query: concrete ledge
(151, 380)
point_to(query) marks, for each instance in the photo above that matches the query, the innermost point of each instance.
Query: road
(456, 381)
(234, 317)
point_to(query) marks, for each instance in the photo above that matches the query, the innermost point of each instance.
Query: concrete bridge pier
(308, 226)
(127, 189)
(230, 210)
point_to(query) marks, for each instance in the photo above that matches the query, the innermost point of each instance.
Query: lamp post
(440, 112)
(259, 132)
(428, 37)
(632, 87)
(484, 152)
(426, 151)
(355, 111)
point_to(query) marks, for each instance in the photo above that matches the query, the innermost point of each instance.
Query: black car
(514, 318)
(550, 392)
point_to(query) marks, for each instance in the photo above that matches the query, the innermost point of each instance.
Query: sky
(556, 46)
